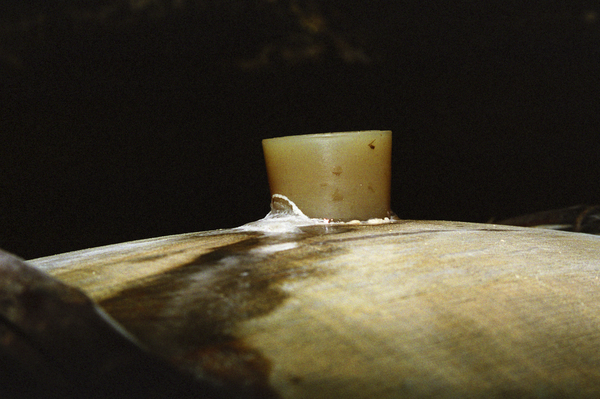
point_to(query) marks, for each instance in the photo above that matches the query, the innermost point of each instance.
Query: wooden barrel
(409, 309)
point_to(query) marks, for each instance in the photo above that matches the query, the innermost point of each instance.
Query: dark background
(122, 120)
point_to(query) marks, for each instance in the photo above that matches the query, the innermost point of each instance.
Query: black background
(148, 121)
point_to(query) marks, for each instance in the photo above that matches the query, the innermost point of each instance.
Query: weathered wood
(578, 218)
(409, 309)
(56, 343)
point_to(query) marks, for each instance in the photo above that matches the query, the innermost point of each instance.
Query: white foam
(286, 217)
(269, 249)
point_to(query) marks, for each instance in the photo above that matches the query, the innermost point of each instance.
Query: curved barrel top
(403, 309)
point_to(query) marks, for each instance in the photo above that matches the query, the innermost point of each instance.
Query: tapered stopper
(339, 176)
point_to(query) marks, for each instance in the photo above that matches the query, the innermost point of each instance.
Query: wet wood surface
(409, 309)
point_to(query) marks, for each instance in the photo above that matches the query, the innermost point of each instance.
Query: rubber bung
(339, 176)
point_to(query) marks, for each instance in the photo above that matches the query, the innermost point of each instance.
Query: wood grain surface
(410, 309)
